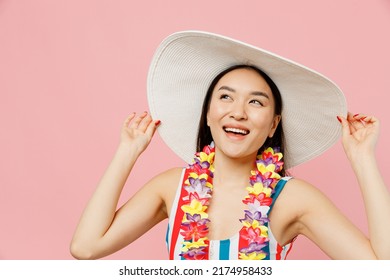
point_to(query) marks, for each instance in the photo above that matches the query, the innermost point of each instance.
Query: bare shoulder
(306, 190)
(299, 185)
(295, 191)
(167, 178)
(302, 195)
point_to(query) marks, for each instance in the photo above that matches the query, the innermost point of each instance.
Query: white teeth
(236, 130)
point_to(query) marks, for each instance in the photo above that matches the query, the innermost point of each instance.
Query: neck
(227, 169)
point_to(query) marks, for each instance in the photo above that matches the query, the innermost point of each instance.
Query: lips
(236, 130)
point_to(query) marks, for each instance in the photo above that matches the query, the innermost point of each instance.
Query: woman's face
(241, 113)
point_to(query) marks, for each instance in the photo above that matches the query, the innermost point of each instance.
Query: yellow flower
(209, 185)
(205, 157)
(196, 176)
(259, 188)
(264, 231)
(252, 256)
(195, 207)
(264, 169)
(275, 176)
(195, 244)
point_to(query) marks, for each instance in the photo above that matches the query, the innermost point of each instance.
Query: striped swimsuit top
(226, 249)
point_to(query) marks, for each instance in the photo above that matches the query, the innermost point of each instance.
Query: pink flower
(194, 228)
(261, 198)
(253, 235)
(192, 196)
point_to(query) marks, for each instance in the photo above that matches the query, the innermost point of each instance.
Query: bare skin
(300, 209)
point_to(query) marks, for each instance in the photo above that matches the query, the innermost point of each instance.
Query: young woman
(234, 200)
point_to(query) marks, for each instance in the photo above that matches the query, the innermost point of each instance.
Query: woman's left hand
(359, 135)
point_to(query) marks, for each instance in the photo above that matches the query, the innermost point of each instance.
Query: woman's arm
(360, 135)
(101, 229)
(323, 223)
(319, 220)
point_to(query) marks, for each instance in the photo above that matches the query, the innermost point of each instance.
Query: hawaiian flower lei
(254, 233)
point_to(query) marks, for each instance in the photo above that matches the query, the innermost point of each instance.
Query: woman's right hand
(137, 131)
(101, 228)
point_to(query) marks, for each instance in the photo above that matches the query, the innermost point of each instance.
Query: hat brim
(186, 62)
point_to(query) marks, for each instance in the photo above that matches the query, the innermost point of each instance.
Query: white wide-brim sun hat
(186, 62)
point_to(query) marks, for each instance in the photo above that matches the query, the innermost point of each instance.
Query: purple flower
(195, 253)
(265, 161)
(203, 164)
(196, 218)
(198, 186)
(253, 247)
(250, 217)
(259, 178)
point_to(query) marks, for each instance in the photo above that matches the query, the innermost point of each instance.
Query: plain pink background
(71, 71)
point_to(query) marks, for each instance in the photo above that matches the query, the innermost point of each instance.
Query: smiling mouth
(234, 130)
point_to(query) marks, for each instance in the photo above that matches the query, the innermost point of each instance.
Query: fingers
(128, 119)
(142, 122)
(346, 129)
(151, 129)
(145, 121)
(137, 121)
(350, 124)
(364, 119)
(355, 122)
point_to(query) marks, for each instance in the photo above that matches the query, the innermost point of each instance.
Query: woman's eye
(256, 102)
(225, 96)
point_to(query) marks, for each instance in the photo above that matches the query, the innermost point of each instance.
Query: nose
(238, 112)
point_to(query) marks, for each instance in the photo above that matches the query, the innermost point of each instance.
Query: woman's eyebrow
(260, 93)
(255, 93)
(227, 88)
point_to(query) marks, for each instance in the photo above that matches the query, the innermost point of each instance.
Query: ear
(274, 126)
